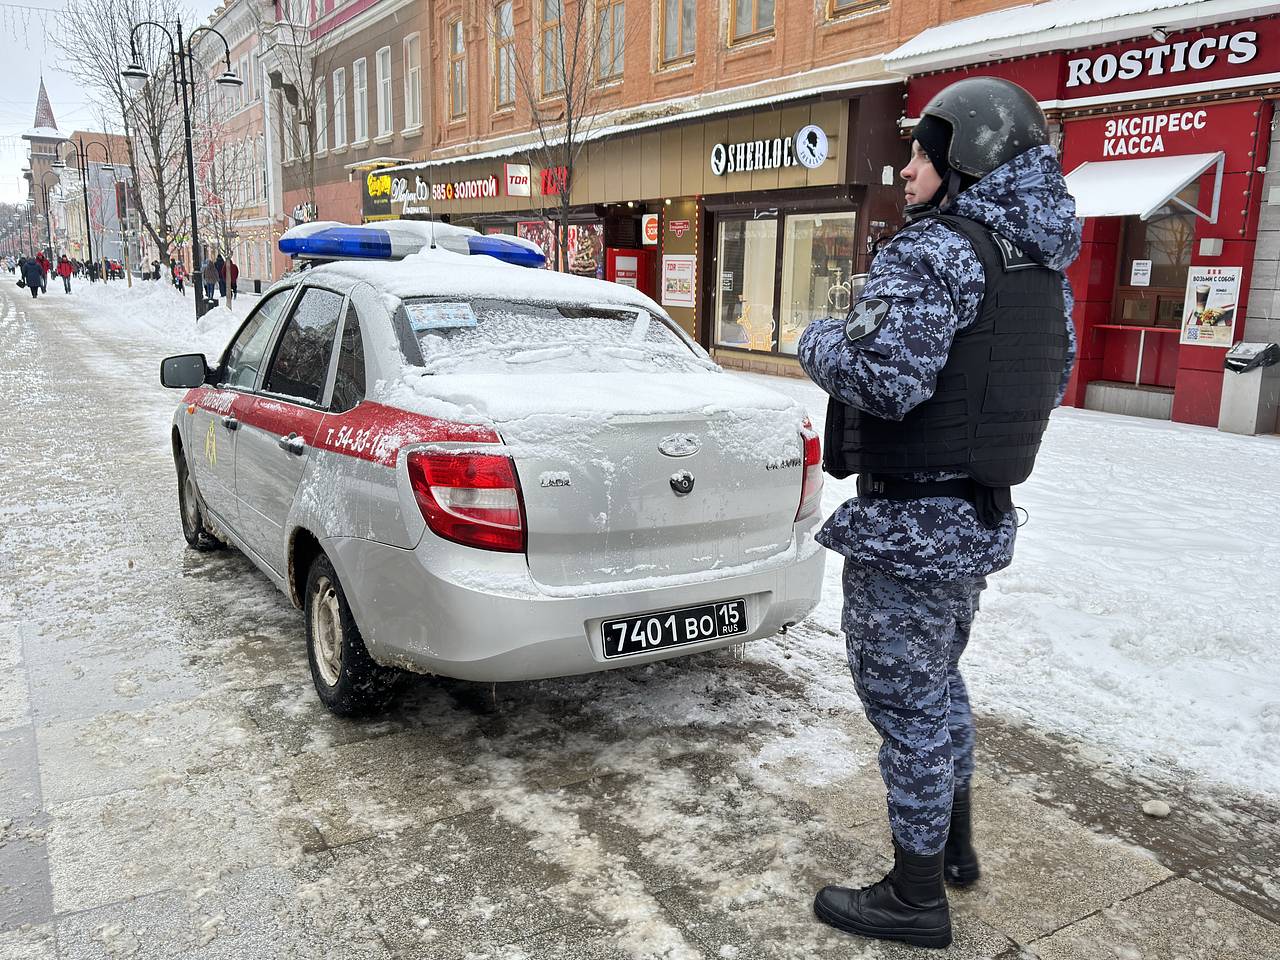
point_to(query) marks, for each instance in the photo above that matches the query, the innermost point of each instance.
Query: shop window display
(747, 264)
(1167, 239)
(817, 271)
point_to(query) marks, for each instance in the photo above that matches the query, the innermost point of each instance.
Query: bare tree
(576, 45)
(95, 43)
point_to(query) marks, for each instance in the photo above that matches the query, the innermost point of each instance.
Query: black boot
(909, 904)
(961, 862)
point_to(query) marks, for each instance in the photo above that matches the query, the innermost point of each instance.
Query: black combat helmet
(992, 121)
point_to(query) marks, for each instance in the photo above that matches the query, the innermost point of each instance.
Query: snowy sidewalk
(171, 786)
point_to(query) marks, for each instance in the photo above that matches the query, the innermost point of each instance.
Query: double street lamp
(81, 149)
(137, 76)
(48, 213)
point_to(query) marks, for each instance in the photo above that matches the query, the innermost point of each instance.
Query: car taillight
(472, 499)
(811, 485)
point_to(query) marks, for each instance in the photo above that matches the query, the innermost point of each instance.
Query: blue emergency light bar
(393, 240)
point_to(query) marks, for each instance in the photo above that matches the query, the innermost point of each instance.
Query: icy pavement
(169, 785)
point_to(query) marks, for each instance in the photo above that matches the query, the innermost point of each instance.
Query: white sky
(27, 49)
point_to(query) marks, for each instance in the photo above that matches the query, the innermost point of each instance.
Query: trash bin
(1250, 389)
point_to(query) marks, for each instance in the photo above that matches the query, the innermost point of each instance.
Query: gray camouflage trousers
(904, 640)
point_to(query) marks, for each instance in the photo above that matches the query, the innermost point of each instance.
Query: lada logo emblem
(679, 445)
(682, 483)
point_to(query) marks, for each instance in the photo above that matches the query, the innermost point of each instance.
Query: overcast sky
(27, 49)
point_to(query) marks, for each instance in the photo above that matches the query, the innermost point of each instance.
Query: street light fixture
(81, 150)
(136, 76)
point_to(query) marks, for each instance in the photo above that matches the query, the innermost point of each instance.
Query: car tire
(347, 680)
(193, 526)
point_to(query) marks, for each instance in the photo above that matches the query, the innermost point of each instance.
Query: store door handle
(230, 423)
(292, 444)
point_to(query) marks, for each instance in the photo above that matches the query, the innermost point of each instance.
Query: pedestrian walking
(221, 265)
(64, 271)
(45, 267)
(209, 276)
(179, 276)
(33, 276)
(233, 278)
(941, 379)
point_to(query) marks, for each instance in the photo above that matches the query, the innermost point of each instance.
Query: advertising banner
(679, 272)
(1209, 310)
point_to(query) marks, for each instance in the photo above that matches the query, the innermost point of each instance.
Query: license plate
(653, 631)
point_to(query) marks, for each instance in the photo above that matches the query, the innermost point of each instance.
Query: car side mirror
(185, 371)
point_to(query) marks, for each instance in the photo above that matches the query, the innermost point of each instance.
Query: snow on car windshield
(500, 336)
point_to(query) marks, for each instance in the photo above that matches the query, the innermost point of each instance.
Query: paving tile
(465, 884)
(15, 706)
(263, 913)
(1178, 920)
(25, 895)
(1026, 847)
(29, 942)
(20, 782)
(115, 751)
(585, 942)
(174, 833)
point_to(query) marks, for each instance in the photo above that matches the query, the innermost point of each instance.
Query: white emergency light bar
(396, 239)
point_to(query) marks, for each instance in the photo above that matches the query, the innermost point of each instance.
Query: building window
(457, 71)
(838, 8)
(289, 128)
(263, 166)
(504, 55)
(340, 107)
(678, 20)
(1167, 239)
(611, 17)
(322, 120)
(246, 91)
(412, 82)
(751, 18)
(817, 272)
(552, 47)
(360, 96)
(252, 79)
(383, 66)
(747, 260)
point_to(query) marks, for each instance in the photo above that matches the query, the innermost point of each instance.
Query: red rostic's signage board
(1213, 56)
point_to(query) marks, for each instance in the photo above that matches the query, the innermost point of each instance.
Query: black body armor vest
(993, 397)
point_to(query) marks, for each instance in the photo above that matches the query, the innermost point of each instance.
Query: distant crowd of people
(218, 273)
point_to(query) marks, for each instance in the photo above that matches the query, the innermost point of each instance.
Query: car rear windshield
(499, 336)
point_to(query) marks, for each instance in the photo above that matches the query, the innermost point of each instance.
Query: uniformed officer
(941, 380)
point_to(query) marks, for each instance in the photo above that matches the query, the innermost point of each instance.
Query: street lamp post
(48, 214)
(82, 162)
(137, 77)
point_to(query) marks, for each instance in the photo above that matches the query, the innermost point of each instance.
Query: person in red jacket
(233, 275)
(45, 266)
(64, 271)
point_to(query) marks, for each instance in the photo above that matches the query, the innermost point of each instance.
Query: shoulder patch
(865, 318)
(1011, 254)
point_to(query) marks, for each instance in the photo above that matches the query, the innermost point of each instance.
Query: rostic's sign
(1162, 59)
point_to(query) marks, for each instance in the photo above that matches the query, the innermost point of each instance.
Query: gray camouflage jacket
(933, 281)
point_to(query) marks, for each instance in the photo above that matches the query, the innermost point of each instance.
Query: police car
(457, 463)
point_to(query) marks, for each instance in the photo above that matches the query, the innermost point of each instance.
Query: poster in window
(678, 274)
(1209, 306)
(541, 232)
(586, 249)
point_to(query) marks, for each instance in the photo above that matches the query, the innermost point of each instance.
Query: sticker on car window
(433, 315)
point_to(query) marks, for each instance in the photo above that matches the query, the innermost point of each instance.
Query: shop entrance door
(747, 262)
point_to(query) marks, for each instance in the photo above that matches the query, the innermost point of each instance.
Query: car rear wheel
(347, 680)
(193, 528)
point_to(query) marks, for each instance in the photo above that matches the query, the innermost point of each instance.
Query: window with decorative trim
(751, 19)
(552, 47)
(504, 56)
(412, 82)
(457, 70)
(386, 121)
(679, 23)
(340, 107)
(839, 8)
(322, 120)
(360, 99)
(611, 21)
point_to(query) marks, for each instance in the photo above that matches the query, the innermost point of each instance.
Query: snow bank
(153, 314)
(1140, 612)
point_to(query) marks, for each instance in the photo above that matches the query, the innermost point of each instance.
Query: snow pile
(155, 314)
(1139, 614)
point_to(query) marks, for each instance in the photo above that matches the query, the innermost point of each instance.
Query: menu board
(1210, 305)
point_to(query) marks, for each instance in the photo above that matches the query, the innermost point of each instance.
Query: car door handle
(292, 444)
(230, 423)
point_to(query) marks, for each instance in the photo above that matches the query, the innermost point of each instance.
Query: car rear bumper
(494, 625)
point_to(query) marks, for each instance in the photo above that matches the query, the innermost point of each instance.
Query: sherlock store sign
(1208, 57)
(807, 148)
